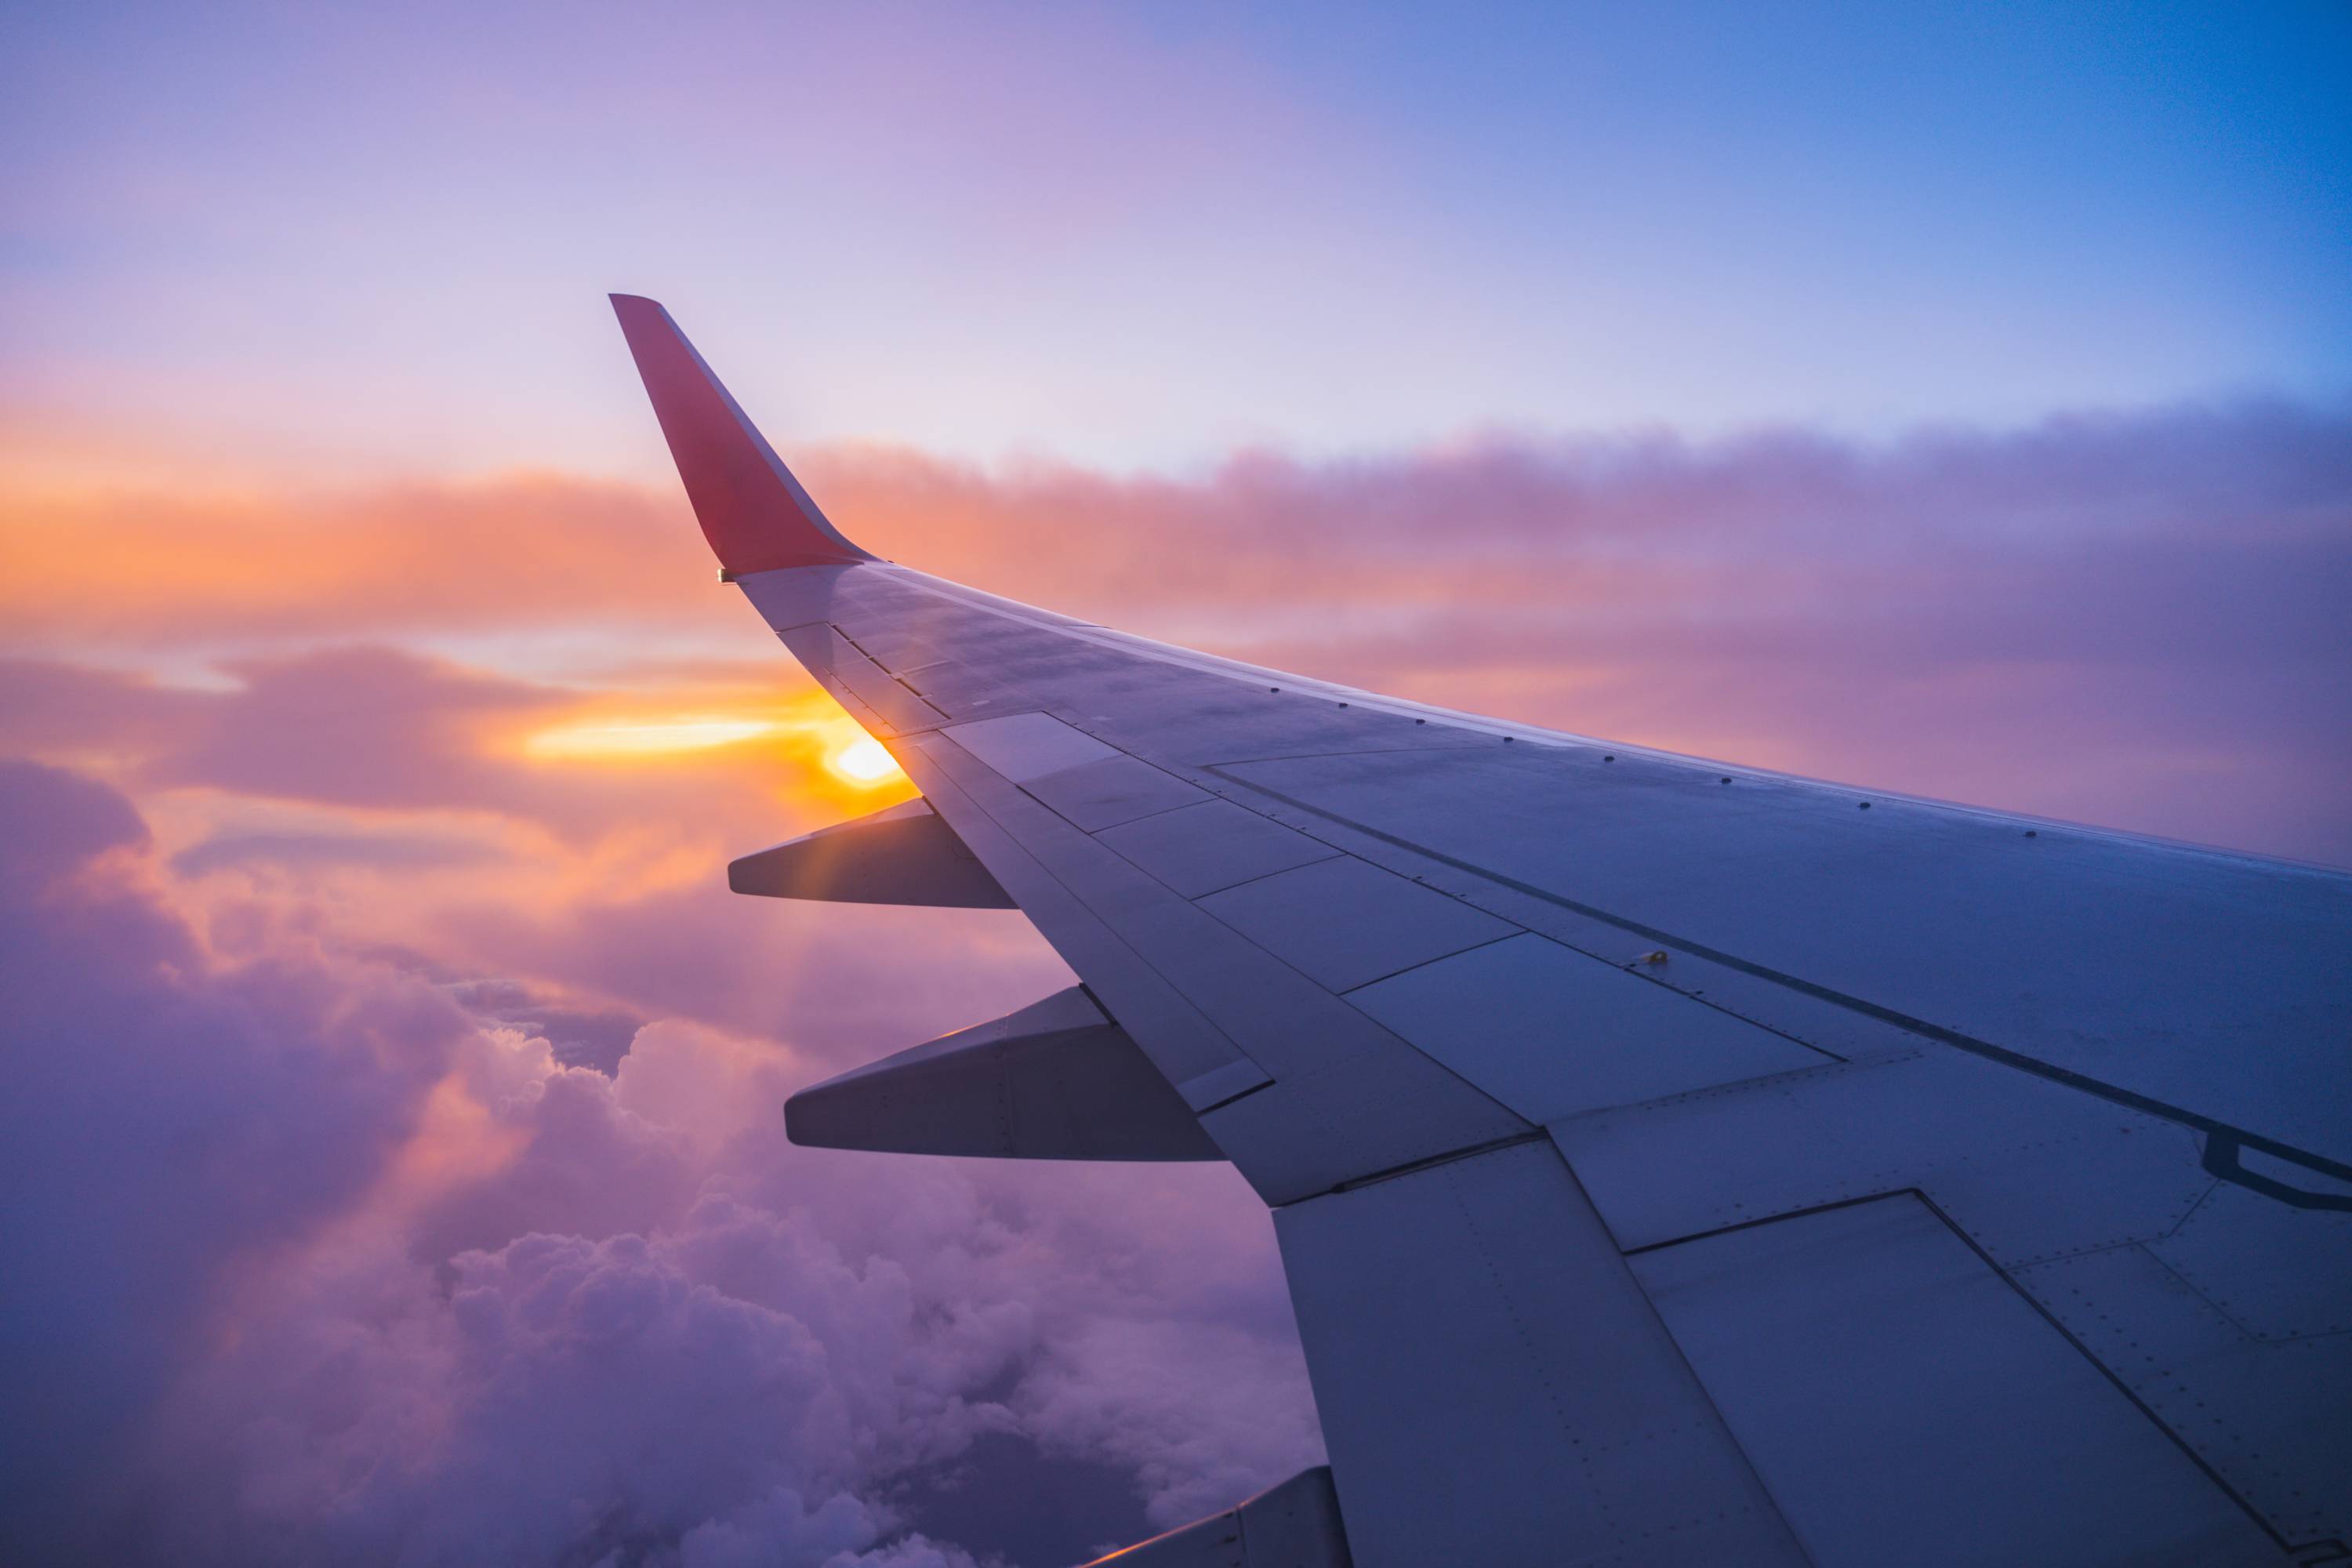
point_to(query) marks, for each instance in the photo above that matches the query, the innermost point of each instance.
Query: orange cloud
(149, 568)
(154, 568)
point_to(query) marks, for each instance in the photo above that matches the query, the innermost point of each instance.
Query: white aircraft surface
(1673, 1162)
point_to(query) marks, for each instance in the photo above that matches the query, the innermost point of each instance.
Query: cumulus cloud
(161, 1117)
(310, 1261)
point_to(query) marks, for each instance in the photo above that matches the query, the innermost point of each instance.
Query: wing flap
(1486, 1285)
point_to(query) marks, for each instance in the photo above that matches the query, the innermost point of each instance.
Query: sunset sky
(1955, 399)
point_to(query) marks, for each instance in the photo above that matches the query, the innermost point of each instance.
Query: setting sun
(863, 762)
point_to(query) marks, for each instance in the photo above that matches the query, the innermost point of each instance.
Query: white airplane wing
(1673, 1162)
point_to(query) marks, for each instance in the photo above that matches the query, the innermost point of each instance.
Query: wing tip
(756, 515)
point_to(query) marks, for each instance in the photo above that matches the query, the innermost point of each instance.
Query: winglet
(752, 511)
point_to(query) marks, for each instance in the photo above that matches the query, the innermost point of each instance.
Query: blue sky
(370, 242)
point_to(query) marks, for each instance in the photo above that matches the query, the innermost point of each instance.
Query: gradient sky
(1138, 235)
(1948, 399)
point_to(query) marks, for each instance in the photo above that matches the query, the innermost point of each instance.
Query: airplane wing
(1671, 1162)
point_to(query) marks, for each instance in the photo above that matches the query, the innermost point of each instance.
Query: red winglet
(752, 511)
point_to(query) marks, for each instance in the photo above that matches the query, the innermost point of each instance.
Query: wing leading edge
(1671, 1161)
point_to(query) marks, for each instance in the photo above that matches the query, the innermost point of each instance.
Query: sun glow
(863, 762)
(694, 733)
(816, 750)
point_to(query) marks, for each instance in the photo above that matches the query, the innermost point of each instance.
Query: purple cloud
(308, 1261)
(162, 1116)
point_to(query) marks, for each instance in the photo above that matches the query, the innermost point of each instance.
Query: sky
(1940, 398)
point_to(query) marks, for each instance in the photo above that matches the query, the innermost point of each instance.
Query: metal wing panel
(1486, 1285)
(2029, 1170)
(1172, 707)
(1825, 1339)
(2267, 1414)
(1205, 848)
(821, 646)
(2182, 975)
(1195, 1056)
(1321, 1093)
(1344, 923)
(1550, 1032)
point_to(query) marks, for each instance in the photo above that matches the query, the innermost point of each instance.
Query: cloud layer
(311, 1262)
(391, 1155)
(2131, 618)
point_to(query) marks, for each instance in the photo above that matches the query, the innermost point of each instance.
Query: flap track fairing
(905, 855)
(1056, 1080)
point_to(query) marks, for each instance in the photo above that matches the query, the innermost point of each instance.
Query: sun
(863, 762)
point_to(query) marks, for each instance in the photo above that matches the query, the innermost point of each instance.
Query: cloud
(368, 800)
(1113, 1388)
(309, 1259)
(391, 850)
(691, 1337)
(383, 728)
(2128, 618)
(161, 1116)
(353, 726)
(165, 567)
